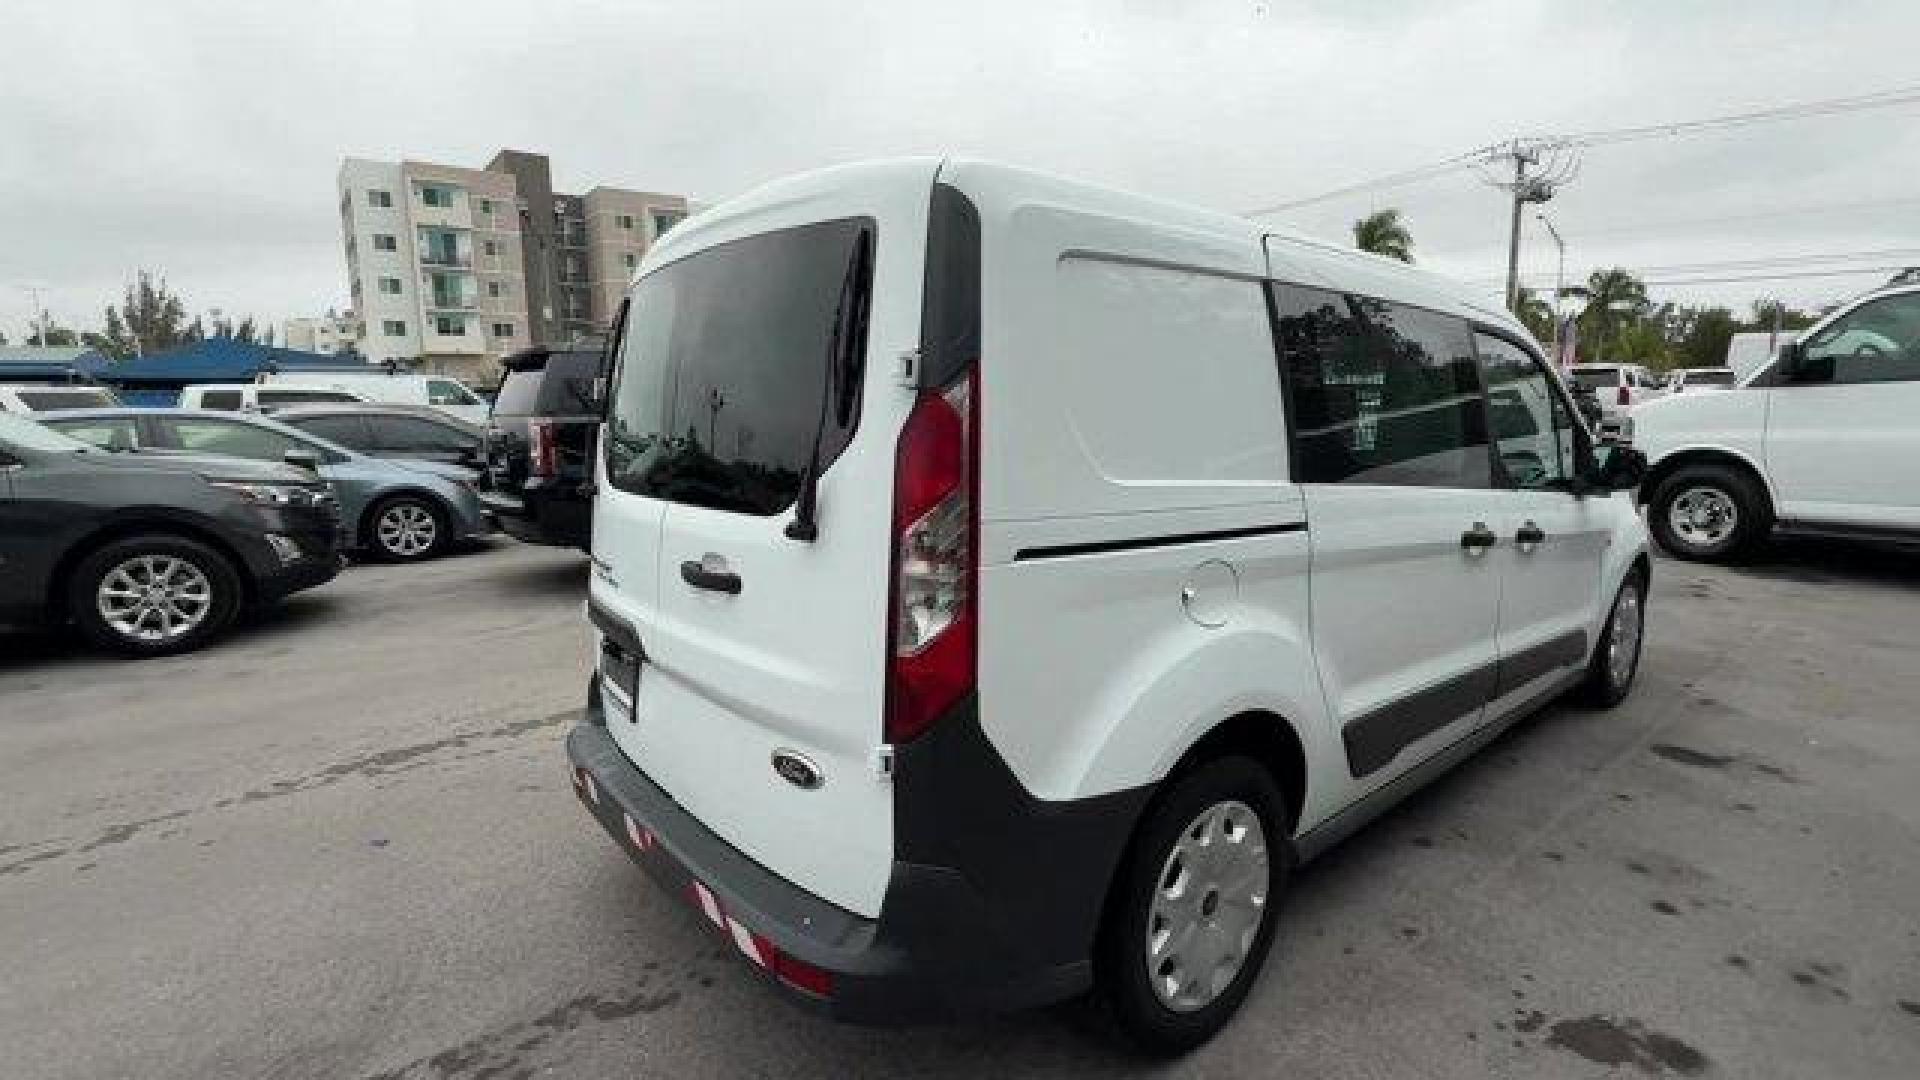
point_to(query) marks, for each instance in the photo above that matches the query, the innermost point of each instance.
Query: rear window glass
(1596, 378)
(220, 399)
(301, 397)
(1709, 378)
(724, 370)
(55, 400)
(564, 387)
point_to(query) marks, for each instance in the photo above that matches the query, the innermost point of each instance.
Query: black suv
(152, 555)
(539, 447)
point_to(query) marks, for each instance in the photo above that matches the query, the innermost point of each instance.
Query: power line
(1760, 215)
(1457, 163)
(1773, 262)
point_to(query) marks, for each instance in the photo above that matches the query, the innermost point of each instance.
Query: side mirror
(469, 456)
(302, 459)
(1618, 466)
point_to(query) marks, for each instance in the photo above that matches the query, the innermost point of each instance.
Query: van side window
(1879, 341)
(220, 399)
(1531, 425)
(1380, 393)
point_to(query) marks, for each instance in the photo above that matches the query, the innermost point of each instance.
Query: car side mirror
(302, 459)
(1618, 466)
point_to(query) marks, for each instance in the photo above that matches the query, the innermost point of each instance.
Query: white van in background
(257, 397)
(442, 392)
(1003, 583)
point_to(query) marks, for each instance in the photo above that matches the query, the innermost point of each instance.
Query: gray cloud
(201, 138)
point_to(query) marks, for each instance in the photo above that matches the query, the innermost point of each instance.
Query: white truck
(442, 392)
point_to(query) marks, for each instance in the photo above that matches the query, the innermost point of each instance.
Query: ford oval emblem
(797, 770)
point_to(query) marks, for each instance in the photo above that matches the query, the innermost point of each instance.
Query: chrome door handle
(1529, 537)
(1478, 539)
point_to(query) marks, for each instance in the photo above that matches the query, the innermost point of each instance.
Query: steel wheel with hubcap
(407, 529)
(153, 594)
(1190, 916)
(1711, 510)
(1616, 660)
(1703, 517)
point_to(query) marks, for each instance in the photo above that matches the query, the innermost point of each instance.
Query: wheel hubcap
(1208, 905)
(1703, 517)
(154, 598)
(407, 529)
(1623, 649)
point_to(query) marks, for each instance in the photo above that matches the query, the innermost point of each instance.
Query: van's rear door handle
(1530, 536)
(697, 575)
(1478, 538)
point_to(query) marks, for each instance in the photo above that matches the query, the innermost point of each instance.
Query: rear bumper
(552, 516)
(943, 947)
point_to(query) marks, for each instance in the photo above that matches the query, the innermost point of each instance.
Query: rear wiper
(840, 393)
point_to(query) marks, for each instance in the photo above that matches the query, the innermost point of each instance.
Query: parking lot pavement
(342, 843)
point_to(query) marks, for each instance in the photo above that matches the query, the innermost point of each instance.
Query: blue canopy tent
(155, 380)
(32, 364)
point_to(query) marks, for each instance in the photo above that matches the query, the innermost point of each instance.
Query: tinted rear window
(220, 399)
(564, 387)
(1596, 378)
(301, 397)
(1710, 378)
(723, 372)
(55, 400)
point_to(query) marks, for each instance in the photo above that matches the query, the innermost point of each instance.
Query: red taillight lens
(931, 658)
(800, 974)
(1626, 396)
(542, 458)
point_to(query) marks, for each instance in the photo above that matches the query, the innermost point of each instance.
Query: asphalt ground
(342, 843)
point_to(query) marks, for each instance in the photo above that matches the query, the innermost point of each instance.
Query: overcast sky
(201, 139)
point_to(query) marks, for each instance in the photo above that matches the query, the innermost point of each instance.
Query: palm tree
(1383, 233)
(1614, 297)
(1536, 314)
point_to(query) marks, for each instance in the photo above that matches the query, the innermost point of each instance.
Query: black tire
(1753, 514)
(396, 548)
(1604, 687)
(1121, 960)
(84, 595)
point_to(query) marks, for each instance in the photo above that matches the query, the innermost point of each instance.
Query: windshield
(1604, 378)
(56, 400)
(23, 434)
(723, 372)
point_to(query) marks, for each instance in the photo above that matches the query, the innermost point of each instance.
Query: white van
(442, 392)
(258, 397)
(1003, 583)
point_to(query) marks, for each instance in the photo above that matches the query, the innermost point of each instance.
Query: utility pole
(1559, 282)
(1521, 160)
(1555, 165)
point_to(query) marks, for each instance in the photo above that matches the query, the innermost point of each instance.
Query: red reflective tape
(708, 904)
(747, 942)
(593, 789)
(634, 834)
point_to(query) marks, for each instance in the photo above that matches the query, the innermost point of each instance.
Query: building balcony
(445, 258)
(452, 303)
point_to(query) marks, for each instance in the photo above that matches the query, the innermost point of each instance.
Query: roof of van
(1291, 256)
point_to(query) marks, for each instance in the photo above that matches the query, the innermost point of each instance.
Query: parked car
(391, 431)
(52, 397)
(255, 397)
(398, 509)
(983, 619)
(1619, 388)
(1821, 439)
(151, 556)
(539, 447)
(1681, 380)
(443, 393)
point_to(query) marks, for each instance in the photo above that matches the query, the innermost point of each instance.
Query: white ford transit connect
(1004, 583)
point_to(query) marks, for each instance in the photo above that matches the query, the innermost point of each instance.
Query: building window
(449, 325)
(390, 286)
(663, 222)
(625, 221)
(434, 195)
(491, 248)
(559, 208)
(385, 242)
(394, 327)
(486, 207)
(496, 289)
(503, 329)
(376, 197)
(630, 259)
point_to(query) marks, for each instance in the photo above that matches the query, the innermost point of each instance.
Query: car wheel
(153, 595)
(1709, 513)
(1192, 915)
(1616, 659)
(407, 528)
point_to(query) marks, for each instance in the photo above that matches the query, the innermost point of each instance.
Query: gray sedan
(401, 510)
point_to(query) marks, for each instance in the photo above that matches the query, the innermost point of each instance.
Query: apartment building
(330, 334)
(453, 268)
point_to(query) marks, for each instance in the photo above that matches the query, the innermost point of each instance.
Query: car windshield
(1596, 378)
(22, 433)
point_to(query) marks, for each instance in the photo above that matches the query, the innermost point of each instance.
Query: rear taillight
(934, 610)
(542, 458)
(1626, 396)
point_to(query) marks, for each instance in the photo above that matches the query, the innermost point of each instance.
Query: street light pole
(1559, 281)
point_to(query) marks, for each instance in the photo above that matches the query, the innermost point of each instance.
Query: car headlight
(269, 494)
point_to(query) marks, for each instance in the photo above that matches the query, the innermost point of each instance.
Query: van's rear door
(760, 706)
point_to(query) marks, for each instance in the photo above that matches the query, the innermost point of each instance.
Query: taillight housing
(932, 654)
(543, 458)
(1626, 396)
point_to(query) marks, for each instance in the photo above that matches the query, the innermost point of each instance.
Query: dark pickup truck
(538, 485)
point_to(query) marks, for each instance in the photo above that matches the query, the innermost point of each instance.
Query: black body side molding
(1067, 551)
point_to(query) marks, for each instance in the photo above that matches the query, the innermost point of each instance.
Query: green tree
(1384, 233)
(1767, 309)
(149, 318)
(1536, 314)
(52, 335)
(1703, 341)
(246, 330)
(1615, 298)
